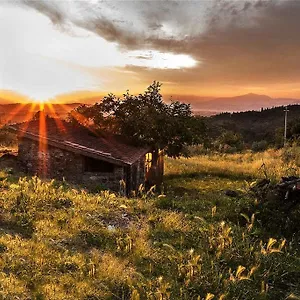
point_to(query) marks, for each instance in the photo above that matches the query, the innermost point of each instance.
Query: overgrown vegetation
(192, 242)
(256, 130)
(146, 120)
(7, 139)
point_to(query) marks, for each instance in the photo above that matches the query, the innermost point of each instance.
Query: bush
(229, 142)
(197, 150)
(8, 138)
(291, 153)
(259, 146)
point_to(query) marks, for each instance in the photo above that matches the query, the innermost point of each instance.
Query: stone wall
(57, 163)
(110, 181)
(50, 162)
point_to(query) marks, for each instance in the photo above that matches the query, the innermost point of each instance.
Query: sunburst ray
(28, 117)
(18, 108)
(42, 143)
(57, 119)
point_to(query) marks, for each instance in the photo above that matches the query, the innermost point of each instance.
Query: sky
(65, 50)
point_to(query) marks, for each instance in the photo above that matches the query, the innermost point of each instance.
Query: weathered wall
(105, 180)
(59, 164)
(136, 175)
(141, 171)
(49, 161)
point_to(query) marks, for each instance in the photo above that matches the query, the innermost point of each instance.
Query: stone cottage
(53, 148)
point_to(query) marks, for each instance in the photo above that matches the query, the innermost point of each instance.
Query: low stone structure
(58, 149)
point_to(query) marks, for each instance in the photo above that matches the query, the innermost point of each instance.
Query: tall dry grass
(271, 164)
(59, 242)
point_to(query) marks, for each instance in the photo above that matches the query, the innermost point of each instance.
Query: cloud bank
(237, 43)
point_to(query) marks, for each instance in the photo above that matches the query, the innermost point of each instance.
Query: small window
(100, 166)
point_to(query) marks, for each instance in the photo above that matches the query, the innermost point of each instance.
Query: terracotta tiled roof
(81, 140)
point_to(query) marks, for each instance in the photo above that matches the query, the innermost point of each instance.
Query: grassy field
(190, 242)
(271, 163)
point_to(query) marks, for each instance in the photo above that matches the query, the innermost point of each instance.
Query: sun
(40, 103)
(33, 100)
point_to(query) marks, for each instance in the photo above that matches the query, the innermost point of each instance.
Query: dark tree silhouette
(147, 120)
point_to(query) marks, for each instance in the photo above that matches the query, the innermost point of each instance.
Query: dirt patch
(121, 221)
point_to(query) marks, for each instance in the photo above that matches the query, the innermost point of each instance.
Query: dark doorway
(95, 165)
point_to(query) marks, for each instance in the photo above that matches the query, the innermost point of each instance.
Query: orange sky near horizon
(90, 97)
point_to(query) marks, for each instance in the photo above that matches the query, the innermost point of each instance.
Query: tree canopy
(147, 120)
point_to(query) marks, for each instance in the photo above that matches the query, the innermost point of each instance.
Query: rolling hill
(16, 112)
(254, 125)
(241, 103)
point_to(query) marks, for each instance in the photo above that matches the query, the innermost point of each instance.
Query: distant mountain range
(206, 106)
(240, 103)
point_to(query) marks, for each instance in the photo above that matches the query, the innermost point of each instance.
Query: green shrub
(291, 154)
(259, 146)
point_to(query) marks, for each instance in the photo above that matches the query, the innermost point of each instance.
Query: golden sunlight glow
(29, 116)
(78, 97)
(57, 120)
(81, 119)
(15, 111)
(42, 143)
(11, 96)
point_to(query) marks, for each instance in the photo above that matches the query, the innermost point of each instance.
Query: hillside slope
(60, 242)
(254, 125)
(16, 112)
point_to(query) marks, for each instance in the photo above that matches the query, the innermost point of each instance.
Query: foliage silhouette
(147, 120)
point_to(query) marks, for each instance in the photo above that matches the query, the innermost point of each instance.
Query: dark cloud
(111, 32)
(256, 43)
(260, 46)
(247, 5)
(155, 26)
(143, 57)
(260, 3)
(51, 9)
(131, 24)
(235, 42)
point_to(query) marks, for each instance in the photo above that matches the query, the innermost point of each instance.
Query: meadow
(192, 241)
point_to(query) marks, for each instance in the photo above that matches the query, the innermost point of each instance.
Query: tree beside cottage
(148, 121)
